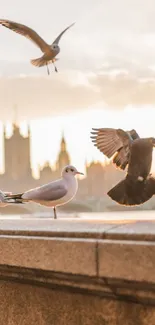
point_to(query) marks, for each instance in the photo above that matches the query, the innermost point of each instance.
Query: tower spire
(63, 157)
(63, 142)
(15, 115)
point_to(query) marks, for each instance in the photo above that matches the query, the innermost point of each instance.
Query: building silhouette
(17, 155)
(18, 173)
(18, 176)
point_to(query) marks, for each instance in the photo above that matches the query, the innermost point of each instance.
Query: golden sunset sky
(106, 73)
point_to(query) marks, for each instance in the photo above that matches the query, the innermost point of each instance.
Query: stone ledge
(70, 228)
(128, 260)
(81, 228)
(71, 272)
(87, 247)
(75, 256)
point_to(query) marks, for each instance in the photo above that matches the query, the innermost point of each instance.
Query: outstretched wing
(27, 32)
(56, 41)
(113, 141)
(109, 141)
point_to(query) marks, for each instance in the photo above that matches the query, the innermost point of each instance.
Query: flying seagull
(114, 142)
(50, 51)
(138, 185)
(53, 194)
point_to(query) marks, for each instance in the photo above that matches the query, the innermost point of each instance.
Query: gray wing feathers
(49, 192)
(56, 41)
(27, 32)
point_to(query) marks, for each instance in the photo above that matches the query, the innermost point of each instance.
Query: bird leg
(48, 72)
(55, 68)
(55, 214)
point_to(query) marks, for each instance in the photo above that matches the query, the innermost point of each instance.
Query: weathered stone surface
(79, 228)
(127, 260)
(55, 254)
(26, 304)
(135, 230)
(87, 272)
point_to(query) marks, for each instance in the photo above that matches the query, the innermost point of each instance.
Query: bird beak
(79, 173)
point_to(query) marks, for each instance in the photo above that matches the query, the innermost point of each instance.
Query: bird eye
(72, 169)
(67, 170)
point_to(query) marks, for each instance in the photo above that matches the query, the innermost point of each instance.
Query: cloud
(38, 96)
(71, 91)
(118, 90)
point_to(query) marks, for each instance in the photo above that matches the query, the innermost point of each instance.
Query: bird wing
(109, 141)
(56, 41)
(113, 141)
(49, 192)
(134, 135)
(27, 32)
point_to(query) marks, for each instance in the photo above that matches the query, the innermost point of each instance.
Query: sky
(106, 72)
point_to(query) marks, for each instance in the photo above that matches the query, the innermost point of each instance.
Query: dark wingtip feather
(93, 137)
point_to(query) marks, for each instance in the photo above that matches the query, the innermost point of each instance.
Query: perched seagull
(115, 142)
(138, 185)
(50, 51)
(53, 194)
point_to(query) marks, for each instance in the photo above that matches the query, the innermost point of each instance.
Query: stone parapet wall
(77, 272)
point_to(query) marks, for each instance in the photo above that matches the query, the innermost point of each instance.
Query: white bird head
(70, 171)
(55, 47)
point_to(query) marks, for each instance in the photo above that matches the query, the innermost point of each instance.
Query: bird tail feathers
(131, 194)
(14, 198)
(40, 62)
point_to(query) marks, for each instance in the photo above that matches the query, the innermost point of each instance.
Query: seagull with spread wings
(50, 51)
(114, 142)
